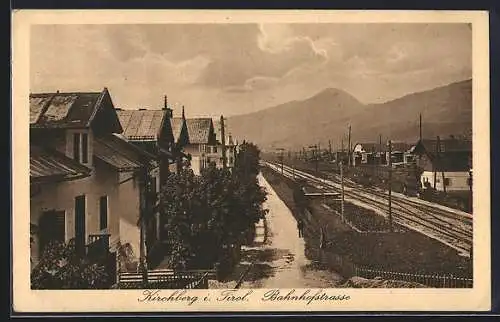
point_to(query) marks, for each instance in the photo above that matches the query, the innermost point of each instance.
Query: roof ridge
(96, 106)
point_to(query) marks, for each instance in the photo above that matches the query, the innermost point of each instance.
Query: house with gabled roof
(202, 139)
(446, 164)
(368, 153)
(87, 182)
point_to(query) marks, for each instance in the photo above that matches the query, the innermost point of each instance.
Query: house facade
(368, 153)
(446, 165)
(202, 140)
(81, 196)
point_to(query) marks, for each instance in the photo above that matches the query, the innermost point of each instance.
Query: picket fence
(437, 281)
(166, 279)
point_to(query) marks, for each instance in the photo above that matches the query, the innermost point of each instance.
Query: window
(85, 149)
(81, 147)
(76, 146)
(215, 149)
(103, 212)
(447, 181)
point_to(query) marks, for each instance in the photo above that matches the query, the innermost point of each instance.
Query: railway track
(451, 228)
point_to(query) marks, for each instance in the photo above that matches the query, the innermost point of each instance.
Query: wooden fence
(166, 279)
(438, 281)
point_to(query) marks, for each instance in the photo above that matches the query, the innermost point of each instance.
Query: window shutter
(103, 212)
(76, 146)
(85, 158)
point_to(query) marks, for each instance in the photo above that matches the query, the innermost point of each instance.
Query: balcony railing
(98, 245)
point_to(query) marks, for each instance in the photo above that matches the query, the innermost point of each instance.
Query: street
(280, 262)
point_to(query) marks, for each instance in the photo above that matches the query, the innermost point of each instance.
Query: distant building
(368, 153)
(202, 140)
(446, 164)
(86, 182)
(230, 146)
(151, 130)
(398, 152)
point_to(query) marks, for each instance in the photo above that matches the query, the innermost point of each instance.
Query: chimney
(169, 111)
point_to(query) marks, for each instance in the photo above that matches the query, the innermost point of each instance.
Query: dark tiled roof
(69, 110)
(399, 147)
(120, 154)
(176, 124)
(200, 130)
(52, 166)
(457, 161)
(446, 145)
(141, 124)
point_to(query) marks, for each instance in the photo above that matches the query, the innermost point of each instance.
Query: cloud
(237, 68)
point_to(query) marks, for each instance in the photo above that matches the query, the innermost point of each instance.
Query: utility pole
(434, 163)
(470, 191)
(342, 189)
(390, 186)
(440, 164)
(316, 158)
(280, 158)
(379, 161)
(420, 126)
(349, 146)
(341, 149)
(329, 150)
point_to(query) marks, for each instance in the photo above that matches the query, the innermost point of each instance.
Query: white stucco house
(87, 183)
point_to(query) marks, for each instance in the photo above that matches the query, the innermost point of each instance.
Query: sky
(230, 69)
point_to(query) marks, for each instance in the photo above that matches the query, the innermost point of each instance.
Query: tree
(208, 214)
(61, 267)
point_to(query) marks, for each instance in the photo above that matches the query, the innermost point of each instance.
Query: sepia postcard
(226, 161)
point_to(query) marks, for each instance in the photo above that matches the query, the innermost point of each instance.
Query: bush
(60, 267)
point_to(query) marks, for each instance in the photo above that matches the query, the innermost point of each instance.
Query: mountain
(445, 110)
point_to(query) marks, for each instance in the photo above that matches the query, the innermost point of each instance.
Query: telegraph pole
(329, 150)
(439, 160)
(420, 126)
(342, 189)
(434, 165)
(341, 149)
(349, 146)
(390, 186)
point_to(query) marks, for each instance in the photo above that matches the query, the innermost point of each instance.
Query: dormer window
(81, 147)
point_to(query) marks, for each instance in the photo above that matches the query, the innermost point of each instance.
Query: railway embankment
(361, 243)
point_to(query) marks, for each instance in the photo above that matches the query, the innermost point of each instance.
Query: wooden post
(470, 191)
(329, 150)
(349, 147)
(316, 159)
(390, 186)
(420, 126)
(434, 163)
(342, 190)
(143, 220)
(441, 164)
